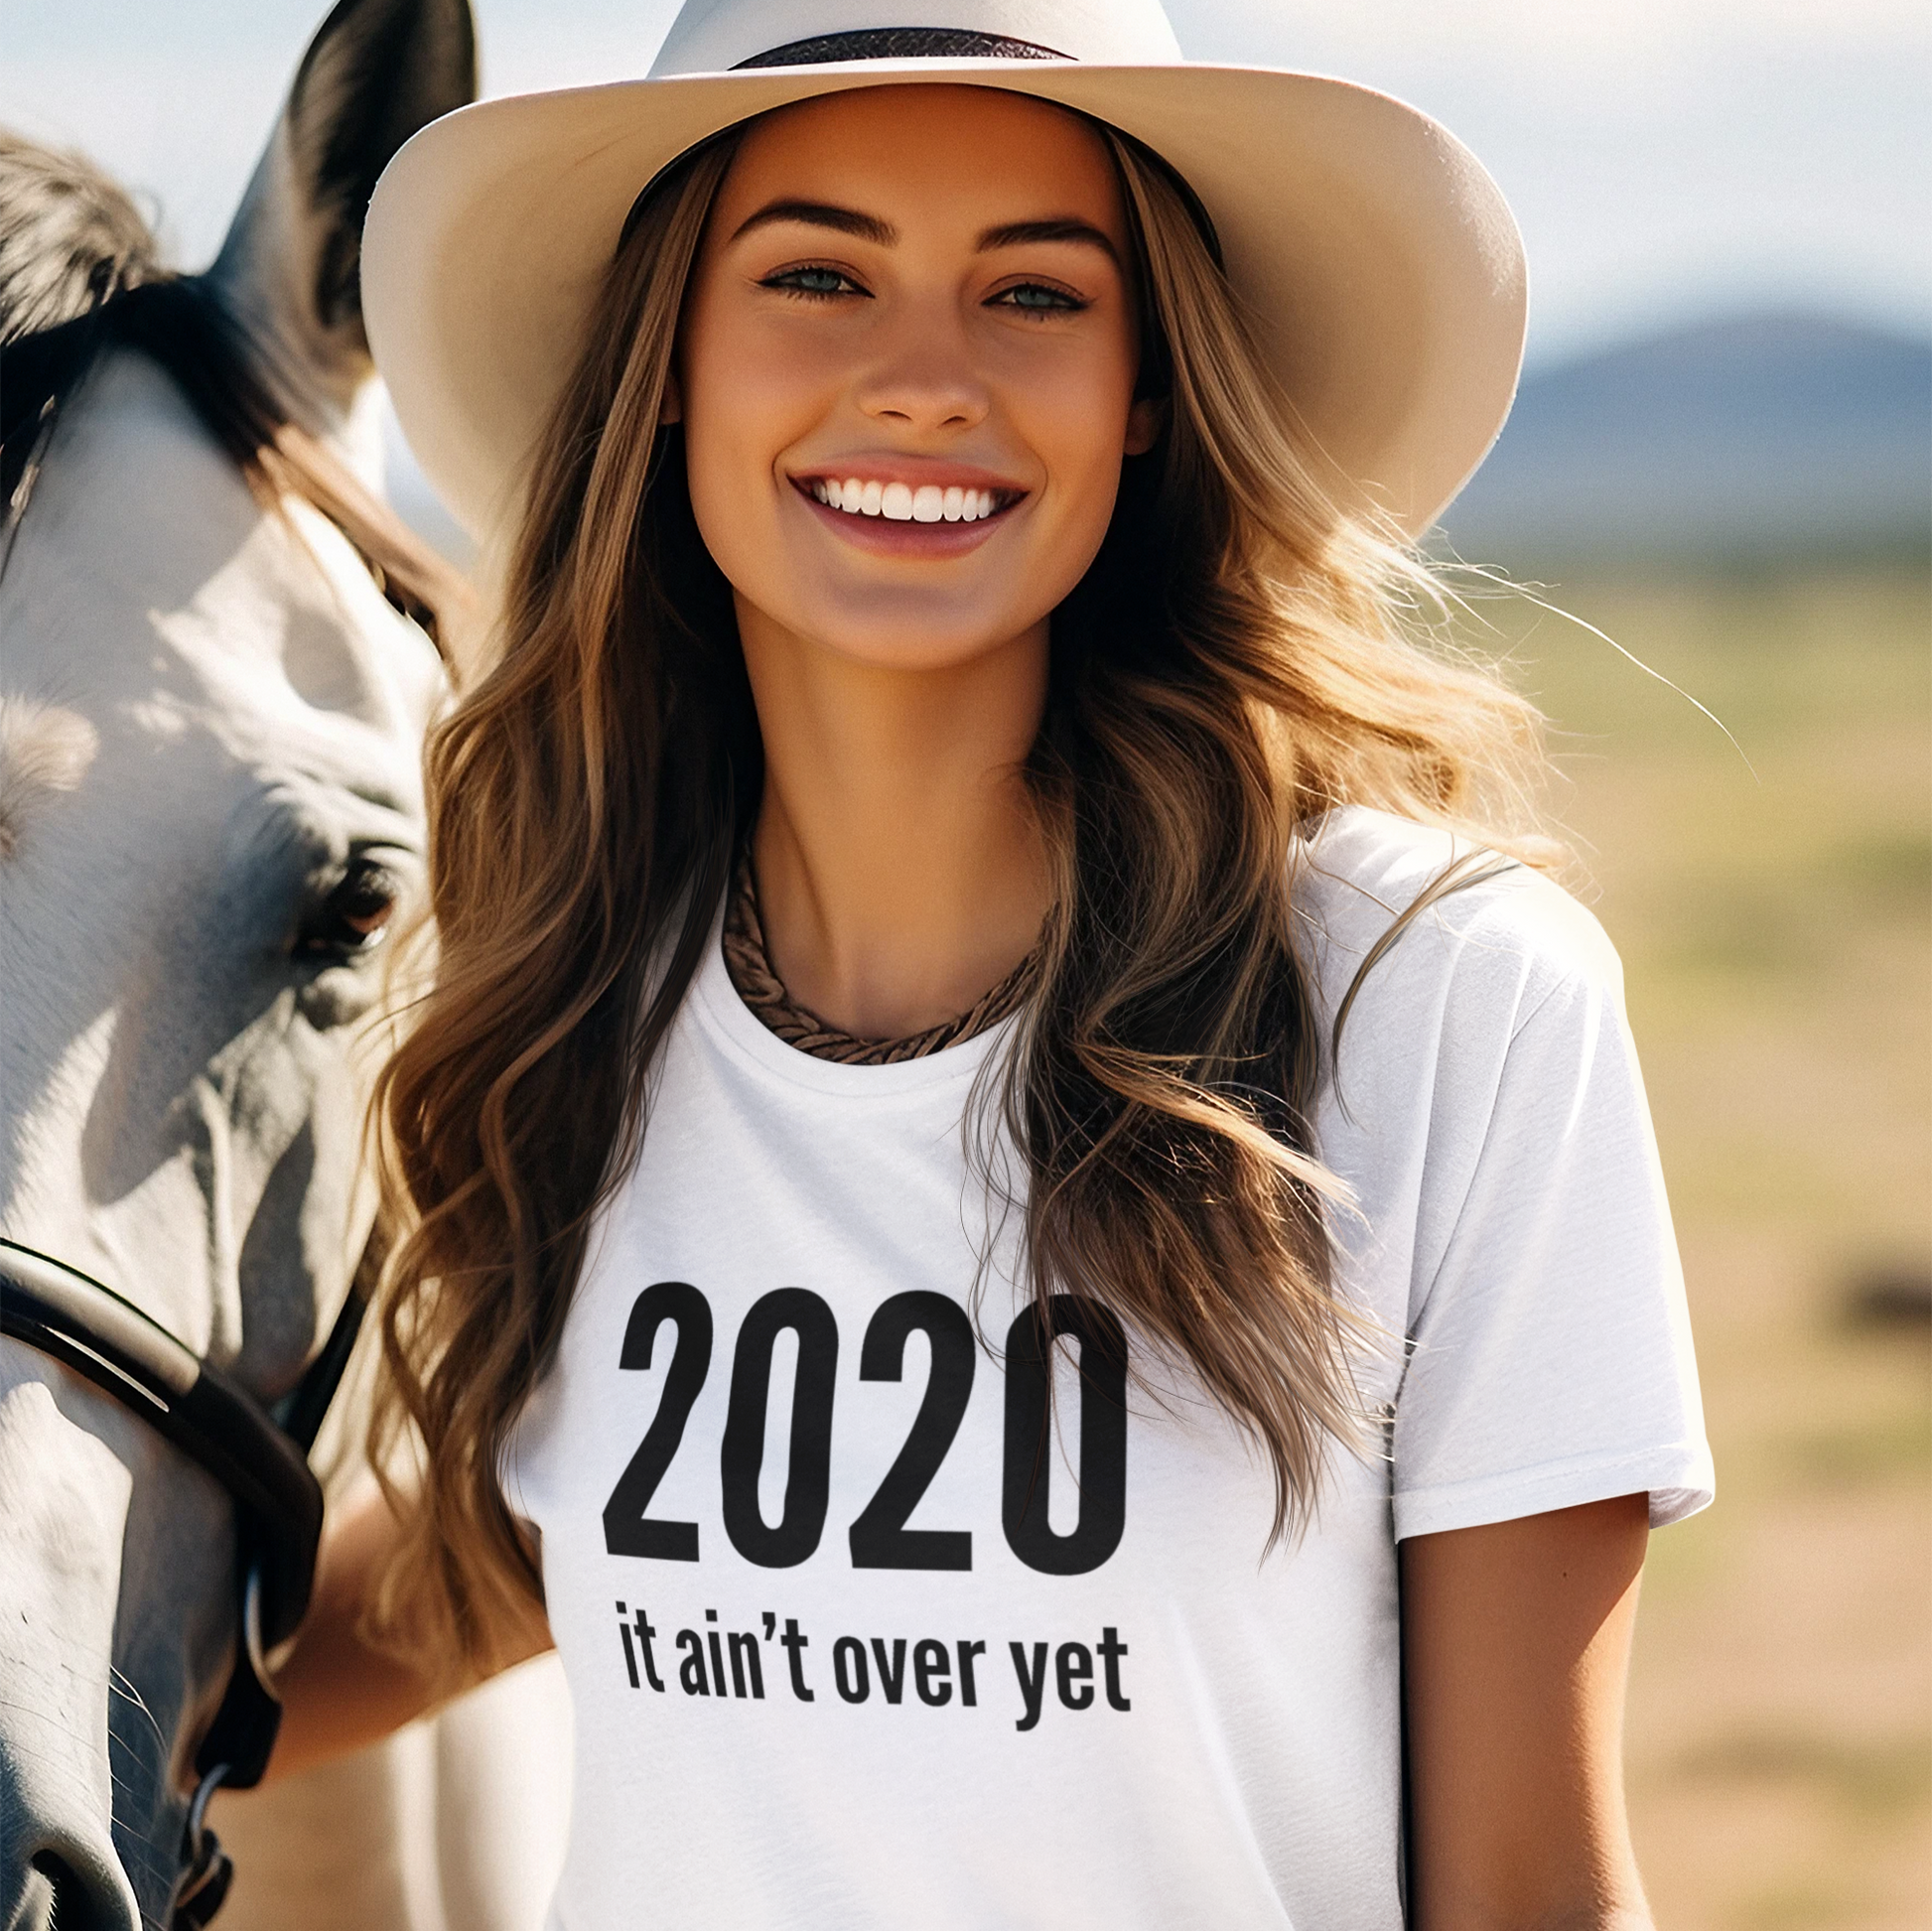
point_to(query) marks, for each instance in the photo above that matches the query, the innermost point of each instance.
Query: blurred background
(1721, 459)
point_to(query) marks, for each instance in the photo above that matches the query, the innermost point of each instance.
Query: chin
(895, 626)
(915, 641)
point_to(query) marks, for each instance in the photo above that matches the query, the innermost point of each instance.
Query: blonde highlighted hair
(1238, 659)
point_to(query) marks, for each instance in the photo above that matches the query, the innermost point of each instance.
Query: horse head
(212, 705)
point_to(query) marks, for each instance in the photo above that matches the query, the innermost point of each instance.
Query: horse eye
(355, 915)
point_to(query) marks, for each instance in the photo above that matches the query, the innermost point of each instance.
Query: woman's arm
(338, 1691)
(1516, 1644)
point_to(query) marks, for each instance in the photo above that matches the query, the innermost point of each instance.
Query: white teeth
(900, 502)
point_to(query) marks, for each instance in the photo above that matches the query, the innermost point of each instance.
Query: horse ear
(290, 269)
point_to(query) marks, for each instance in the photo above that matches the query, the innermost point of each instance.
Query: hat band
(901, 44)
(941, 44)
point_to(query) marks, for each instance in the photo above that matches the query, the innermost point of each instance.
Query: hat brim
(1380, 267)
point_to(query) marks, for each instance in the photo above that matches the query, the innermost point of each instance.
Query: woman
(1027, 1235)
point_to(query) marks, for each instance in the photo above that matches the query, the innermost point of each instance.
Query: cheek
(1078, 425)
(743, 401)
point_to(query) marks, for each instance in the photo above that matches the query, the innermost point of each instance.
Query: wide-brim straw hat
(1378, 264)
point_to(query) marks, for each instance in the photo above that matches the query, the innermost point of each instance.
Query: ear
(290, 270)
(1146, 419)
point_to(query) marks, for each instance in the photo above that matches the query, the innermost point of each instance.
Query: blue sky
(1667, 158)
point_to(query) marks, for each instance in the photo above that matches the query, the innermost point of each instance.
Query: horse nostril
(58, 1897)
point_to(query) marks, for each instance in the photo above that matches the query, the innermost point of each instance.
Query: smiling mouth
(900, 502)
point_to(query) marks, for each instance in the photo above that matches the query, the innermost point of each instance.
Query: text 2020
(878, 1537)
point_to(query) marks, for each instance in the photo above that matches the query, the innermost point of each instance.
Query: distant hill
(1773, 435)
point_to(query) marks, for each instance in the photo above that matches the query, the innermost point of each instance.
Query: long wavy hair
(1241, 658)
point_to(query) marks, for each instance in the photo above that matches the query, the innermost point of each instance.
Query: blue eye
(813, 281)
(1036, 298)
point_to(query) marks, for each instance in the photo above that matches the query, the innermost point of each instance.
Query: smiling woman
(875, 336)
(1041, 309)
(954, 748)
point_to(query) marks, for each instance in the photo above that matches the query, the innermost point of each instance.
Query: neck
(900, 869)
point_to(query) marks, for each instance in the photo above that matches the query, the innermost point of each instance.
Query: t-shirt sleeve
(1549, 1358)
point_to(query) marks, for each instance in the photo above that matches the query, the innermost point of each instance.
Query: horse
(216, 665)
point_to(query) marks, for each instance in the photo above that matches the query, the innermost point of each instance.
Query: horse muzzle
(67, 1886)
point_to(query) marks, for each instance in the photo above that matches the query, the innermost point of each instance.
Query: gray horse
(211, 712)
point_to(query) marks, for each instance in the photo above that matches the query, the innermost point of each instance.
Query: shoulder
(1426, 920)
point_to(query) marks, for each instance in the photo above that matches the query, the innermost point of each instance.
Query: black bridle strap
(223, 1430)
(213, 1420)
(306, 1406)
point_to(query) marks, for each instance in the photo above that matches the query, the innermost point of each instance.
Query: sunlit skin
(877, 333)
(930, 287)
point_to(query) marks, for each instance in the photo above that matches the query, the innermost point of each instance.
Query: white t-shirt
(973, 1692)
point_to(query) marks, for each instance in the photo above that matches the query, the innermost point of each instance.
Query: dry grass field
(1777, 935)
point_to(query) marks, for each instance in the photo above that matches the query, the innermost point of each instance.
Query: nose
(926, 379)
(55, 1881)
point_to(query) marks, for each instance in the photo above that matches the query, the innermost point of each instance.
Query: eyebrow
(1060, 227)
(869, 228)
(821, 215)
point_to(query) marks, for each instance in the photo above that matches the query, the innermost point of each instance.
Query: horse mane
(70, 237)
(80, 273)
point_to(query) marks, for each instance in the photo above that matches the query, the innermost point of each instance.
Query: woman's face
(906, 370)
